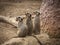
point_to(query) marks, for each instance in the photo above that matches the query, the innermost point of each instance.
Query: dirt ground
(14, 9)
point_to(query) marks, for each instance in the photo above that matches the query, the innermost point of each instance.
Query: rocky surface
(29, 40)
(50, 23)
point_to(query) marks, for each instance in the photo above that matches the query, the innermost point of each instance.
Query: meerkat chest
(22, 26)
(37, 20)
(29, 21)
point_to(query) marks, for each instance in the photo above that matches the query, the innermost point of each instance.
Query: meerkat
(22, 28)
(37, 23)
(29, 23)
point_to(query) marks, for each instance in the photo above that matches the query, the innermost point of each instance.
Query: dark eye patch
(18, 18)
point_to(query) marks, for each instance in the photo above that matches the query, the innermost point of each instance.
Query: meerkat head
(37, 13)
(19, 19)
(28, 15)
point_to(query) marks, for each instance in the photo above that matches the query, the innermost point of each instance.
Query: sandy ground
(14, 9)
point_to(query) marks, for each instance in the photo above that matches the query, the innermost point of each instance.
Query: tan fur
(22, 28)
(29, 23)
(37, 23)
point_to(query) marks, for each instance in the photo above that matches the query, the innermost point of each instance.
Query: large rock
(50, 17)
(29, 40)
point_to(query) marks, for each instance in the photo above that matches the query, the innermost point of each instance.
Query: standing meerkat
(22, 28)
(37, 23)
(29, 23)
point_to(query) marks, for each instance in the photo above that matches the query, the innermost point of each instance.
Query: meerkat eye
(30, 15)
(21, 19)
(38, 13)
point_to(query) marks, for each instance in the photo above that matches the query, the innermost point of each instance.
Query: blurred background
(14, 8)
(18, 7)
